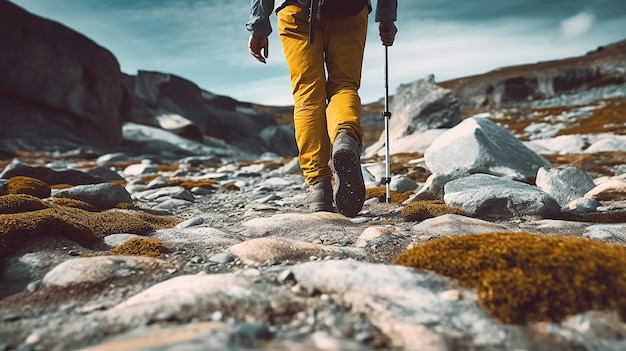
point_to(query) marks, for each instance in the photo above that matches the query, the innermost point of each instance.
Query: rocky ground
(144, 252)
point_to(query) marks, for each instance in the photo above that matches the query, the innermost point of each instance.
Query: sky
(205, 41)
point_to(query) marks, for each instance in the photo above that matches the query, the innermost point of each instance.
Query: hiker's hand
(258, 47)
(387, 32)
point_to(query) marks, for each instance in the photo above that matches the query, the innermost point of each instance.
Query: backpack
(341, 8)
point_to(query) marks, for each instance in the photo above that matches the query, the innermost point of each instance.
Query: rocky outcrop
(180, 106)
(417, 107)
(511, 85)
(59, 89)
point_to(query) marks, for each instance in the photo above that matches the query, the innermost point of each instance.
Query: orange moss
(231, 187)
(606, 119)
(381, 194)
(83, 227)
(73, 203)
(60, 186)
(522, 277)
(597, 163)
(421, 210)
(168, 167)
(141, 247)
(16, 203)
(27, 185)
(185, 183)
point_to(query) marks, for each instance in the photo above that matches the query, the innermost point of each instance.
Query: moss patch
(421, 210)
(85, 228)
(381, 194)
(185, 183)
(27, 185)
(141, 247)
(522, 277)
(73, 203)
(16, 203)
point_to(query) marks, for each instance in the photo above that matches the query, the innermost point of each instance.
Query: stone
(480, 146)
(610, 190)
(487, 195)
(281, 249)
(402, 184)
(564, 185)
(453, 224)
(100, 269)
(101, 196)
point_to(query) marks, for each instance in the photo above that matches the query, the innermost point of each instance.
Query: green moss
(29, 186)
(16, 203)
(421, 210)
(381, 194)
(523, 277)
(141, 247)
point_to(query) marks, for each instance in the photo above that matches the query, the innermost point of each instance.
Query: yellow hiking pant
(323, 107)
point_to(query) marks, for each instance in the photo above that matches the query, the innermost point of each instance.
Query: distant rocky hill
(508, 86)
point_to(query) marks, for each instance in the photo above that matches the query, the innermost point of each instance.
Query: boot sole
(350, 193)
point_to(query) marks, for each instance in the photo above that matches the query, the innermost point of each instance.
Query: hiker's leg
(344, 40)
(308, 81)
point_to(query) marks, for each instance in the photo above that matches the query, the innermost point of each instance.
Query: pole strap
(313, 13)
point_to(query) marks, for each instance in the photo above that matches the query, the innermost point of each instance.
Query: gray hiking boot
(321, 196)
(350, 188)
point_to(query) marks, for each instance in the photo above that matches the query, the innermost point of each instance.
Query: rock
(305, 225)
(401, 302)
(480, 146)
(453, 224)
(280, 249)
(191, 222)
(608, 144)
(139, 169)
(50, 176)
(564, 185)
(114, 240)
(606, 232)
(584, 205)
(57, 80)
(104, 268)
(564, 144)
(417, 107)
(107, 159)
(433, 189)
(101, 196)
(402, 184)
(417, 142)
(610, 190)
(105, 173)
(378, 236)
(487, 195)
(222, 258)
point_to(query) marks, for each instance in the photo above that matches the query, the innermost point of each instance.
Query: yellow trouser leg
(339, 44)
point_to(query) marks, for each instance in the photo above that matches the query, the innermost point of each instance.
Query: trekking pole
(387, 116)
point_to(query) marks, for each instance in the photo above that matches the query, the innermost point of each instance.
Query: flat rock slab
(103, 268)
(280, 249)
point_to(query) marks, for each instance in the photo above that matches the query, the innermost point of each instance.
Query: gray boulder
(564, 185)
(102, 196)
(417, 107)
(481, 146)
(489, 196)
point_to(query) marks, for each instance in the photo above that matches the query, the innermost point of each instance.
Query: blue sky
(205, 41)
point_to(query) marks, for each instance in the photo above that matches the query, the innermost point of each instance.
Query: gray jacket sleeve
(259, 23)
(386, 10)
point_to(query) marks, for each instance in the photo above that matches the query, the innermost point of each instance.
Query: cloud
(578, 25)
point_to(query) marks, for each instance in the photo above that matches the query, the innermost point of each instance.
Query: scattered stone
(487, 195)
(564, 185)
